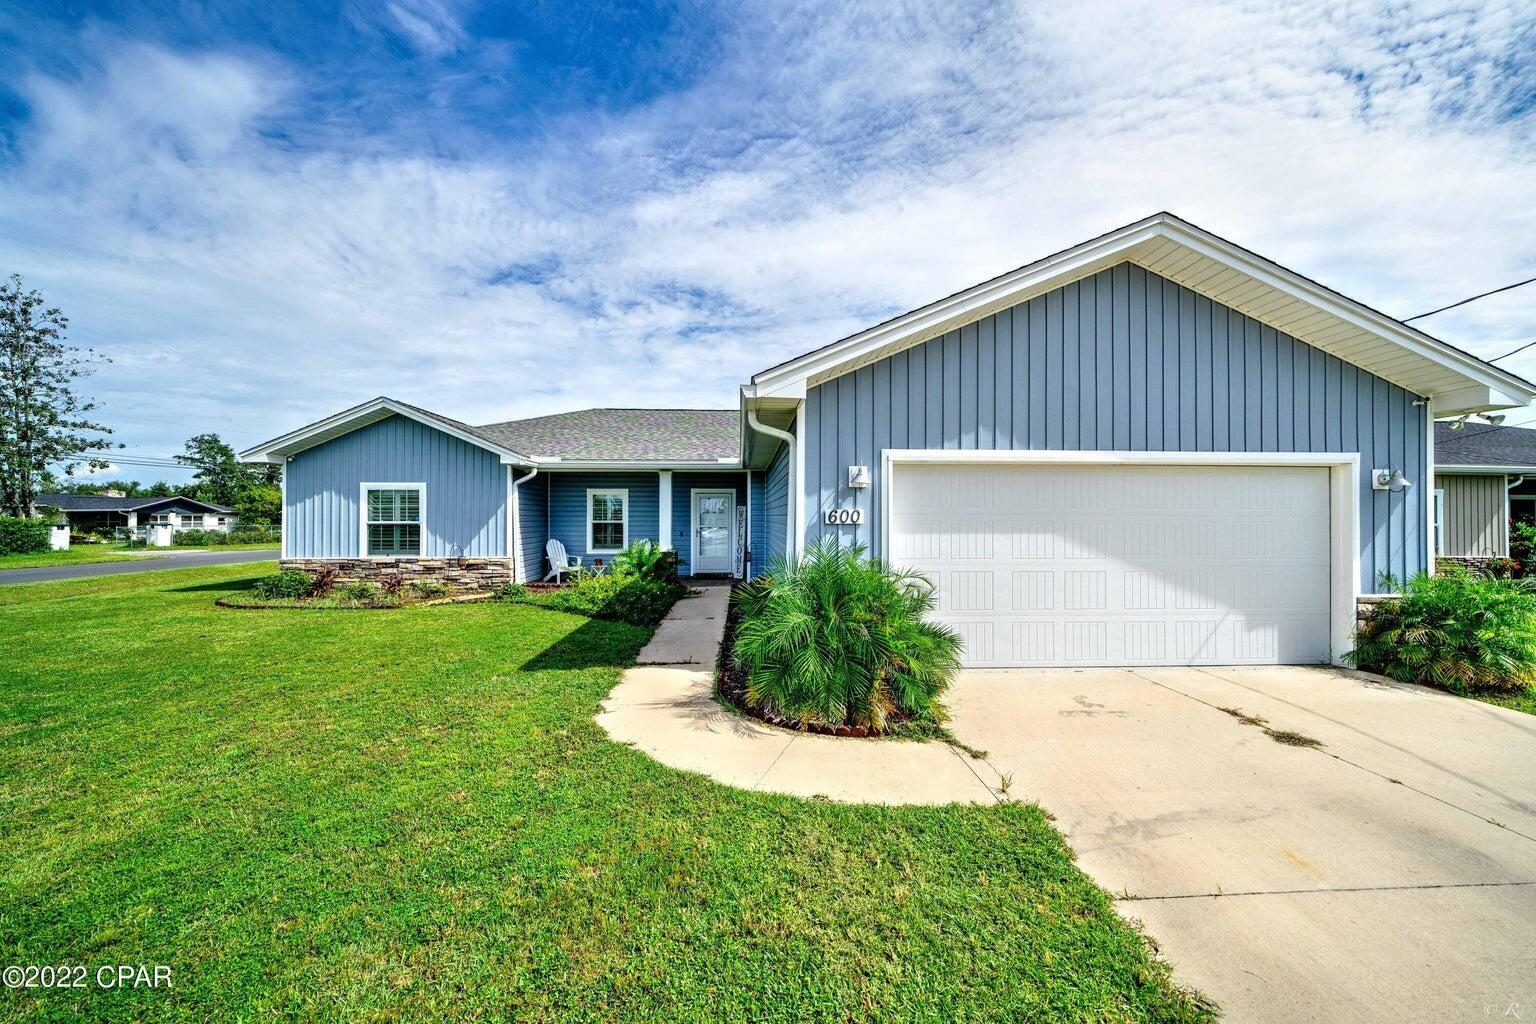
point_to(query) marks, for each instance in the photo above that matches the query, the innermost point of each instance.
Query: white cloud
(826, 171)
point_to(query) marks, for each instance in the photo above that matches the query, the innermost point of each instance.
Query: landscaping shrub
(252, 535)
(645, 558)
(510, 592)
(637, 600)
(292, 583)
(214, 538)
(323, 582)
(359, 591)
(1461, 631)
(427, 589)
(1522, 545)
(22, 536)
(840, 639)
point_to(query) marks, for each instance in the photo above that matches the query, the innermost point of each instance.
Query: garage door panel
(1193, 564)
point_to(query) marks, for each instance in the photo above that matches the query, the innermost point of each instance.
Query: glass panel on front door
(714, 526)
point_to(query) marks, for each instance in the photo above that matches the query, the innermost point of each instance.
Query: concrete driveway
(1389, 874)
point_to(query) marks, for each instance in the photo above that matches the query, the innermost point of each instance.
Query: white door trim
(1343, 502)
(693, 530)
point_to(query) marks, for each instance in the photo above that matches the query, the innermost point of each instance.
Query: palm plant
(1457, 630)
(841, 639)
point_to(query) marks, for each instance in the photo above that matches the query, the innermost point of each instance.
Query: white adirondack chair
(559, 562)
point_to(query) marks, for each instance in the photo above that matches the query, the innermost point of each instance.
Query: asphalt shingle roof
(625, 435)
(1481, 444)
(107, 503)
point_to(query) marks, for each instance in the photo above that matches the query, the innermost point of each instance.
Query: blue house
(1155, 447)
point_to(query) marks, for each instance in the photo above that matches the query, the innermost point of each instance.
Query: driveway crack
(1327, 891)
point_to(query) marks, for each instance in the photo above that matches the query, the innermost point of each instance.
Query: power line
(1513, 351)
(1474, 298)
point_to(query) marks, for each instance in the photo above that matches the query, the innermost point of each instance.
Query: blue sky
(266, 212)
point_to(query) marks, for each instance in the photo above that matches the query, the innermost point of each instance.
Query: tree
(43, 422)
(260, 504)
(220, 475)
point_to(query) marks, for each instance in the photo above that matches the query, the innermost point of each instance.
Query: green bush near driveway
(413, 817)
(1469, 633)
(840, 639)
(218, 538)
(22, 536)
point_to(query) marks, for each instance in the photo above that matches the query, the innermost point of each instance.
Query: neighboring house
(1155, 447)
(1485, 476)
(91, 513)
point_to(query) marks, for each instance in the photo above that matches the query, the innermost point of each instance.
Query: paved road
(145, 563)
(1387, 875)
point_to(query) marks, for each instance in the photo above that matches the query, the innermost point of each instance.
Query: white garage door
(1121, 565)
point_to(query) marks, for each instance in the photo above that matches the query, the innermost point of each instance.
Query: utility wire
(1474, 298)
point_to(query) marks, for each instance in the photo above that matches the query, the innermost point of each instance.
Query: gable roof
(626, 435)
(372, 411)
(1170, 247)
(1485, 446)
(110, 503)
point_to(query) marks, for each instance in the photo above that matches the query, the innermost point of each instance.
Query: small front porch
(713, 519)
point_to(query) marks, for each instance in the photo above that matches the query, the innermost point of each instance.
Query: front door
(714, 529)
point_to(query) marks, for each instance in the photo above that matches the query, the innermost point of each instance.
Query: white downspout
(517, 519)
(1509, 485)
(789, 439)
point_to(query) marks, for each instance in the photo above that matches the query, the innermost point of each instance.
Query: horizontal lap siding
(1122, 360)
(533, 524)
(683, 484)
(466, 490)
(568, 508)
(1474, 515)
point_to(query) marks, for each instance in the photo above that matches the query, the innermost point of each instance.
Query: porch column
(664, 503)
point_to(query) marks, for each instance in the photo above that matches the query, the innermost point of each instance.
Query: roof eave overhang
(1478, 386)
(279, 449)
(1454, 469)
(550, 464)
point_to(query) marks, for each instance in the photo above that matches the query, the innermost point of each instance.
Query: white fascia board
(1478, 398)
(1068, 264)
(1347, 309)
(1505, 390)
(566, 465)
(279, 448)
(1463, 470)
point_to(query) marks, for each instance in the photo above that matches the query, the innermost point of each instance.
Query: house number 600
(844, 516)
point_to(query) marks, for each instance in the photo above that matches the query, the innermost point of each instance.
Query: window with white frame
(607, 520)
(220, 521)
(394, 515)
(160, 519)
(192, 521)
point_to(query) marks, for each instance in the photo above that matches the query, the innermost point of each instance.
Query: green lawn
(77, 555)
(80, 554)
(410, 815)
(1524, 701)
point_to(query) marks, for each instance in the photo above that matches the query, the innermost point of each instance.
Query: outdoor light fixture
(1492, 418)
(1390, 479)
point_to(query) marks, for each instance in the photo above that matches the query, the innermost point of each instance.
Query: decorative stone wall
(1365, 606)
(463, 573)
(1475, 563)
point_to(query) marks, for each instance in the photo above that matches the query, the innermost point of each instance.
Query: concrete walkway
(141, 563)
(664, 707)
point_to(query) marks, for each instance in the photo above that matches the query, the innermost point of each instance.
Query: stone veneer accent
(463, 573)
(1365, 606)
(1476, 563)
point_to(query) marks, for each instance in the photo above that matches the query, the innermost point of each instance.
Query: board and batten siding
(533, 525)
(1123, 360)
(568, 508)
(466, 494)
(1474, 516)
(776, 507)
(757, 526)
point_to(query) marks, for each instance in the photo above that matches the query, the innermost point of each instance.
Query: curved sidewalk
(663, 707)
